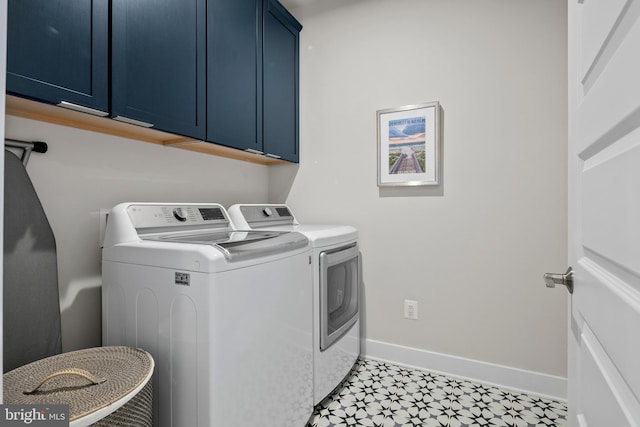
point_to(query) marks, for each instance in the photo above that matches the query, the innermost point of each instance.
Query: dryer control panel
(261, 216)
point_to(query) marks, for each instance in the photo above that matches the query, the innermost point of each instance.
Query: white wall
(473, 251)
(84, 172)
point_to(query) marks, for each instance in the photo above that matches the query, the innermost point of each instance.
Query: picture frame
(409, 145)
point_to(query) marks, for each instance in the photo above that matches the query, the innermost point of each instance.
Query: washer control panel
(145, 216)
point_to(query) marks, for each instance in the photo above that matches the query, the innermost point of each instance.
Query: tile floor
(384, 395)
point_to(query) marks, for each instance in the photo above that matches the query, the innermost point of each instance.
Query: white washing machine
(225, 314)
(336, 283)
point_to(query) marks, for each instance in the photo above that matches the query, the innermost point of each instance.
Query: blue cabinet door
(252, 77)
(57, 51)
(234, 73)
(281, 33)
(158, 64)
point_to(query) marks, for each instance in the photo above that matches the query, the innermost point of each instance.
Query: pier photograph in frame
(409, 145)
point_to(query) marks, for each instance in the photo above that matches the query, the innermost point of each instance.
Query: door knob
(553, 279)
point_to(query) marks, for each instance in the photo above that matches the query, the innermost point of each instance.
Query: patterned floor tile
(377, 394)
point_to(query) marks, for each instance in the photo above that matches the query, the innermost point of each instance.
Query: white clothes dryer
(225, 314)
(336, 282)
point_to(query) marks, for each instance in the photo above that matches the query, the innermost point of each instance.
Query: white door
(604, 212)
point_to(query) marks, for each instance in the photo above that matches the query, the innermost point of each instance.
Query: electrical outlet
(410, 309)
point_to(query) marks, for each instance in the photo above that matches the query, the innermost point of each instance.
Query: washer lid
(239, 245)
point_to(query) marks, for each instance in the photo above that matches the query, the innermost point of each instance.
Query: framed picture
(409, 145)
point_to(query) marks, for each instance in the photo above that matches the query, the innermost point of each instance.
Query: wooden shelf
(28, 109)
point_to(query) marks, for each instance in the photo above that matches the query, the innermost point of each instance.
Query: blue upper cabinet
(234, 73)
(280, 58)
(252, 77)
(58, 51)
(158, 64)
(224, 71)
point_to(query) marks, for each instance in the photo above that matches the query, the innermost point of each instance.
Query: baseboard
(513, 378)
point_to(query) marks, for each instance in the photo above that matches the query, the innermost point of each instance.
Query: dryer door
(339, 280)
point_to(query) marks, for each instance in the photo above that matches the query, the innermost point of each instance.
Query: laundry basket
(103, 386)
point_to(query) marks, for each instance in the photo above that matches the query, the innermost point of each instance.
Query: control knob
(180, 214)
(267, 211)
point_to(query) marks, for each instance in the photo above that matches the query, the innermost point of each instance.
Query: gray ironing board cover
(31, 303)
